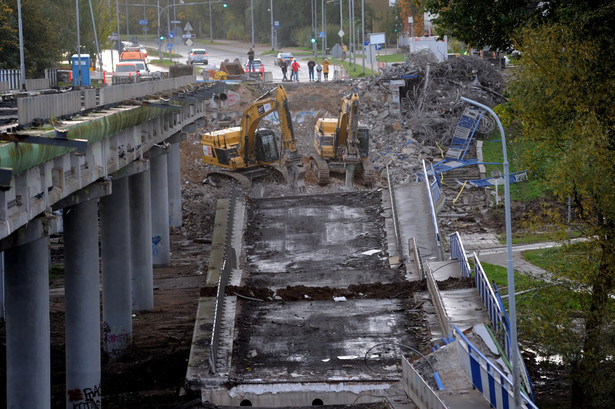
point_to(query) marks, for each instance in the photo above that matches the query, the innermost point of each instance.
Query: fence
(225, 272)
(493, 304)
(459, 253)
(12, 80)
(432, 208)
(417, 388)
(13, 77)
(487, 378)
(47, 106)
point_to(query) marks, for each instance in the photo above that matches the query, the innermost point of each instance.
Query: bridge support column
(28, 367)
(116, 274)
(175, 188)
(140, 242)
(160, 208)
(82, 286)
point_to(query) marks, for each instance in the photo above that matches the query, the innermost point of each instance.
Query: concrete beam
(36, 229)
(91, 192)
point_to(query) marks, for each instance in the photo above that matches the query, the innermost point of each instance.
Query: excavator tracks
(320, 168)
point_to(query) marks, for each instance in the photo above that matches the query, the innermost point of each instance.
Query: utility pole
(252, 18)
(22, 63)
(363, 31)
(78, 46)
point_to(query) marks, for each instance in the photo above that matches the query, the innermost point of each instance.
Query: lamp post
(252, 19)
(272, 28)
(509, 260)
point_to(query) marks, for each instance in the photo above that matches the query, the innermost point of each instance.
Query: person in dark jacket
(284, 69)
(251, 60)
(311, 64)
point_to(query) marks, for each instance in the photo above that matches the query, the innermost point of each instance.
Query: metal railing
(228, 263)
(47, 106)
(459, 253)
(432, 208)
(418, 390)
(495, 386)
(395, 217)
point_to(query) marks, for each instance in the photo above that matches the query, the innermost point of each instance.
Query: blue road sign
(366, 43)
(378, 46)
(276, 24)
(169, 46)
(143, 22)
(321, 34)
(171, 34)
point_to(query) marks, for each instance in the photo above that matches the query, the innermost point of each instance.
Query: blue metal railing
(495, 386)
(459, 253)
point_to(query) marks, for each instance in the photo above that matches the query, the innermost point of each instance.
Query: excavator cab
(266, 146)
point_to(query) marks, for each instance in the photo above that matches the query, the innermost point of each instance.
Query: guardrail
(492, 302)
(119, 93)
(459, 253)
(486, 377)
(228, 262)
(432, 208)
(400, 250)
(47, 106)
(417, 388)
(438, 303)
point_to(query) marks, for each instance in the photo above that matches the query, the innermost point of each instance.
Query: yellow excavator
(250, 152)
(342, 145)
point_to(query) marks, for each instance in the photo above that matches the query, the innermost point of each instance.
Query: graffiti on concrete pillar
(88, 398)
(155, 241)
(115, 339)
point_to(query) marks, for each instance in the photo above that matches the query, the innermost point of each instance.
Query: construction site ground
(152, 372)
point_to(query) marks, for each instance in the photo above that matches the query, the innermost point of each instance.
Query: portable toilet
(85, 69)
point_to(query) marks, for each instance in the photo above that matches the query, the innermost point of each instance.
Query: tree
(483, 23)
(563, 100)
(40, 50)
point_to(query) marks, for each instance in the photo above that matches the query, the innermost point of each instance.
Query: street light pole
(252, 19)
(272, 28)
(515, 358)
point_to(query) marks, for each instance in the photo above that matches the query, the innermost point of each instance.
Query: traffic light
(313, 39)
(161, 37)
(225, 5)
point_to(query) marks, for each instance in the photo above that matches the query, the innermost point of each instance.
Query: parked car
(138, 48)
(132, 55)
(126, 72)
(288, 57)
(258, 65)
(198, 55)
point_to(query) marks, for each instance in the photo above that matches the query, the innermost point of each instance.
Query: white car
(198, 55)
(257, 63)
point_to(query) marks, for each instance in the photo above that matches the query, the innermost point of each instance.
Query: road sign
(171, 34)
(169, 46)
(188, 27)
(143, 22)
(189, 42)
(340, 33)
(321, 34)
(114, 37)
(378, 46)
(366, 43)
(276, 24)
(186, 35)
(175, 22)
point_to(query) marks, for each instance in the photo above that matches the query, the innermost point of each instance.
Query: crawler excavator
(250, 152)
(342, 145)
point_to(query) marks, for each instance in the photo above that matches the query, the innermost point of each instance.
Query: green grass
(492, 152)
(391, 58)
(499, 274)
(163, 63)
(56, 271)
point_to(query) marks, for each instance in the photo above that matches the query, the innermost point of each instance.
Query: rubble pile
(421, 125)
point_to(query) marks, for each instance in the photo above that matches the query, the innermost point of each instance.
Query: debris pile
(413, 107)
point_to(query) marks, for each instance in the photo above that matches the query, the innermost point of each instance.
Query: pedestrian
(251, 60)
(319, 71)
(344, 51)
(325, 69)
(295, 67)
(284, 69)
(311, 64)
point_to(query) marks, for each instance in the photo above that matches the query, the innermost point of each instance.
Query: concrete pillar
(116, 275)
(175, 188)
(161, 255)
(28, 368)
(2, 310)
(140, 242)
(82, 287)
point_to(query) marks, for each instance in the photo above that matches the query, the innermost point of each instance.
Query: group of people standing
(312, 66)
